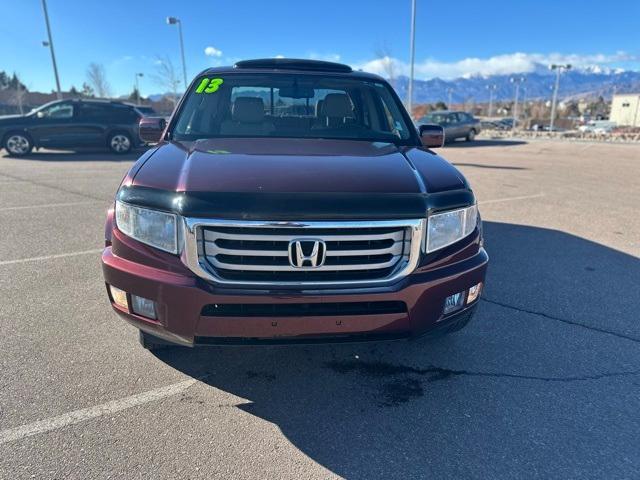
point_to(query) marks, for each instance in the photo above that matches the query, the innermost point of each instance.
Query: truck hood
(278, 165)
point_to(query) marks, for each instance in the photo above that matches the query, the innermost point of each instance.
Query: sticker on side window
(209, 85)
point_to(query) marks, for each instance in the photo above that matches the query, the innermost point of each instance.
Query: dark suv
(72, 124)
(456, 124)
(292, 201)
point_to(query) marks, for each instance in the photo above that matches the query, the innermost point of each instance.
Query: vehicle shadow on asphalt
(555, 337)
(89, 155)
(485, 143)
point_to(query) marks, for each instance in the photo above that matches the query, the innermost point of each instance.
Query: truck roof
(291, 65)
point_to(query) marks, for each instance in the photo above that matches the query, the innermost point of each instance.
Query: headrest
(248, 110)
(337, 105)
(319, 108)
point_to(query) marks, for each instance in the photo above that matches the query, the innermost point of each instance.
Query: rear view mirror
(432, 136)
(296, 91)
(152, 128)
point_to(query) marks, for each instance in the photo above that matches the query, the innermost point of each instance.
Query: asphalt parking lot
(545, 382)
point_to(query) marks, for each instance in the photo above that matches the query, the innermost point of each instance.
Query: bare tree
(17, 92)
(97, 78)
(383, 53)
(167, 76)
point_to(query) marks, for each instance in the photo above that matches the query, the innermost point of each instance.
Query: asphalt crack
(383, 369)
(403, 386)
(563, 320)
(54, 187)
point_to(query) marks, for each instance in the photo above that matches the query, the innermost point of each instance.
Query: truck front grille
(281, 253)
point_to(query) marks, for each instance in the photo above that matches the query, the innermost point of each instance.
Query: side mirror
(432, 136)
(151, 129)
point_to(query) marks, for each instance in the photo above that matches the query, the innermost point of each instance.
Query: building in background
(625, 109)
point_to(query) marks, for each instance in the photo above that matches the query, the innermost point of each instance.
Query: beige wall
(625, 109)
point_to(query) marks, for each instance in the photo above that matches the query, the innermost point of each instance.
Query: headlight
(158, 229)
(446, 228)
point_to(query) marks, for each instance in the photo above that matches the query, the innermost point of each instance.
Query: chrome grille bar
(256, 253)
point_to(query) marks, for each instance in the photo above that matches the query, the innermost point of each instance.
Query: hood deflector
(295, 206)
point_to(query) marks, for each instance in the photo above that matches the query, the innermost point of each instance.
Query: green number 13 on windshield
(209, 85)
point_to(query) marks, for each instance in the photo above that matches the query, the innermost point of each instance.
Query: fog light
(453, 302)
(143, 306)
(119, 297)
(474, 292)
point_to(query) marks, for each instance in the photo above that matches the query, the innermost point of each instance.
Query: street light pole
(449, 91)
(50, 45)
(491, 88)
(517, 81)
(137, 87)
(177, 21)
(412, 55)
(558, 69)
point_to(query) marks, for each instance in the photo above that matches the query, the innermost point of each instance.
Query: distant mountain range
(574, 84)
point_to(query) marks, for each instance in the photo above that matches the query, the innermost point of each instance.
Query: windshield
(437, 118)
(290, 106)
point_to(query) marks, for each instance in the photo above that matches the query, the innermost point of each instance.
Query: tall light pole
(137, 75)
(524, 106)
(50, 45)
(558, 69)
(492, 89)
(176, 21)
(449, 91)
(412, 56)
(517, 81)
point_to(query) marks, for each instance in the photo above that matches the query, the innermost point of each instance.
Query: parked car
(456, 124)
(494, 125)
(145, 110)
(598, 126)
(72, 124)
(247, 224)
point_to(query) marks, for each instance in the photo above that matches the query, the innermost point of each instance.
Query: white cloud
(279, 56)
(212, 52)
(498, 65)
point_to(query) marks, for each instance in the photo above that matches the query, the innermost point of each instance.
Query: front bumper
(184, 301)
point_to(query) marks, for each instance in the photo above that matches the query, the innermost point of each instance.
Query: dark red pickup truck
(292, 201)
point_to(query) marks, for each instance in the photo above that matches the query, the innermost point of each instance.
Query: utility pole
(412, 55)
(524, 107)
(137, 87)
(517, 81)
(492, 89)
(177, 21)
(449, 91)
(50, 45)
(558, 69)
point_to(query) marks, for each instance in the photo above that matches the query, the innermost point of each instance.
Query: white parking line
(13, 181)
(510, 199)
(49, 257)
(77, 416)
(48, 205)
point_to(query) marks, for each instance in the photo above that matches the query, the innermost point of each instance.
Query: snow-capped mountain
(585, 83)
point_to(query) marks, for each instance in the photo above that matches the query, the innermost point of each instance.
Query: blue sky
(470, 37)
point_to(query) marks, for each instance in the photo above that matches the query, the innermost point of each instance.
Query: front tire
(120, 143)
(471, 136)
(18, 144)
